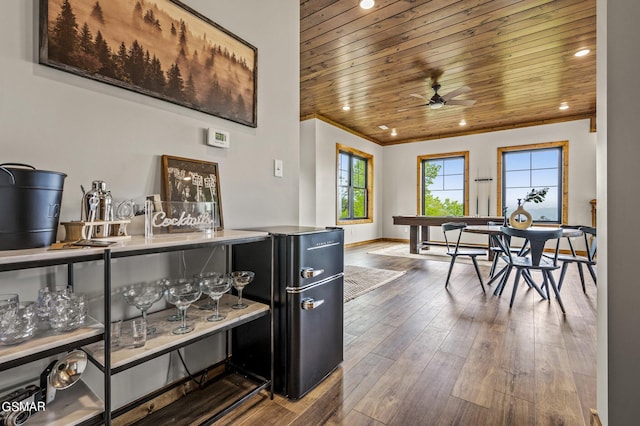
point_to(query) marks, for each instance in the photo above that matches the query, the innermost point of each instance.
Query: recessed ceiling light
(393, 132)
(563, 106)
(346, 108)
(582, 52)
(366, 4)
(383, 127)
(463, 122)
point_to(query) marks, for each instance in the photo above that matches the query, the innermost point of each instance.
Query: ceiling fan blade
(435, 75)
(415, 95)
(458, 91)
(411, 107)
(464, 102)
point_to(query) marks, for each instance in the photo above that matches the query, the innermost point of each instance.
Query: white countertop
(137, 242)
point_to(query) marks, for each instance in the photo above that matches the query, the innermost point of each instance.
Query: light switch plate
(277, 168)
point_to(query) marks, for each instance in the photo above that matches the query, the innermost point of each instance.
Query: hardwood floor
(417, 354)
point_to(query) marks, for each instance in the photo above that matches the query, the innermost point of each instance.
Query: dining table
(419, 236)
(495, 232)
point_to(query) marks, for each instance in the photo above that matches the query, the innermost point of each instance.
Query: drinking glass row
(59, 310)
(182, 292)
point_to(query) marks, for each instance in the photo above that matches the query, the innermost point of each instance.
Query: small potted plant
(536, 195)
(521, 218)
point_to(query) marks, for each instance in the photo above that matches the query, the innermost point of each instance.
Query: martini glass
(143, 296)
(207, 276)
(183, 295)
(215, 287)
(168, 283)
(240, 280)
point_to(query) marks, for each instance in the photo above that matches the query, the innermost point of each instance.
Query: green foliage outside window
(352, 190)
(432, 204)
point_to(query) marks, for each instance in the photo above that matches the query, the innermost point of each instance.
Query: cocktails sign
(164, 217)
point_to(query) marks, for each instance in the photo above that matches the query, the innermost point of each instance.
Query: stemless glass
(143, 295)
(240, 280)
(8, 311)
(183, 295)
(21, 327)
(215, 286)
(43, 303)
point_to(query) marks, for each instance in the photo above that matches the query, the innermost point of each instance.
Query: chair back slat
(537, 240)
(590, 241)
(452, 226)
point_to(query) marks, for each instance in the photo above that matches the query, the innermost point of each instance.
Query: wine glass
(215, 286)
(143, 296)
(240, 280)
(183, 295)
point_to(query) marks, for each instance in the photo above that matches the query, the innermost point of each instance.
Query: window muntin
(443, 184)
(354, 185)
(535, 167)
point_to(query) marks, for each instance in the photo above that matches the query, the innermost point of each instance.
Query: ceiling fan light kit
(366, 4)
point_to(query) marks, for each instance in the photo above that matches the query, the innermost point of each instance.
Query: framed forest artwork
(184, 179)
(160, 48)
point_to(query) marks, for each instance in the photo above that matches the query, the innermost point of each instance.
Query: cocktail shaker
(105, 206)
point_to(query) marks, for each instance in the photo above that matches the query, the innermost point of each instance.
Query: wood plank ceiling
(516, 57)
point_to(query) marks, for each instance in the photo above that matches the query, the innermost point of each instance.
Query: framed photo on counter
(189, 180)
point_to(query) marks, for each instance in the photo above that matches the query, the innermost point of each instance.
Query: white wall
(602, 367)
(396, 173)
(308, 173)
(58, 121)
(318, 140)
(400, 162)
(89, 130)
(619, 346)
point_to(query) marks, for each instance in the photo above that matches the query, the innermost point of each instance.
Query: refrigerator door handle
(309, 303)
(310, 272)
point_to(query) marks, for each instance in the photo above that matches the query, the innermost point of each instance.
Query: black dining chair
(455, 229)
(532, 261)
(590, 243)
(499, 251)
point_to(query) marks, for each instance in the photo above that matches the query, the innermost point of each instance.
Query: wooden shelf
(164, 341)
(48, 342)
(74, 405)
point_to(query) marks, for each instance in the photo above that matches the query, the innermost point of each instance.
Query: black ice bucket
(29, 206)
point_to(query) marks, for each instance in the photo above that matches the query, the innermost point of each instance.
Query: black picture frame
(160, 48)
(185, 179)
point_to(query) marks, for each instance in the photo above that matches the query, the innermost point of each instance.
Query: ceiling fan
(438, 101)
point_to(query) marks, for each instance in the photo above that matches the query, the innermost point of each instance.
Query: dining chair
(499, 251)
(454, 230)
(587, 233)
(531, 261)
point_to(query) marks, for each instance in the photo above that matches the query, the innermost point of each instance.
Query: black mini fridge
(307, 300)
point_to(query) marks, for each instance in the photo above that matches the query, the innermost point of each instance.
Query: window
(443, 184)
(355, 186)
(527, 167)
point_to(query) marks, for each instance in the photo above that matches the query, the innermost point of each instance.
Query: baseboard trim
(362, 243)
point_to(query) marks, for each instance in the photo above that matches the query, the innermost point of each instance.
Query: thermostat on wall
(218, 138)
